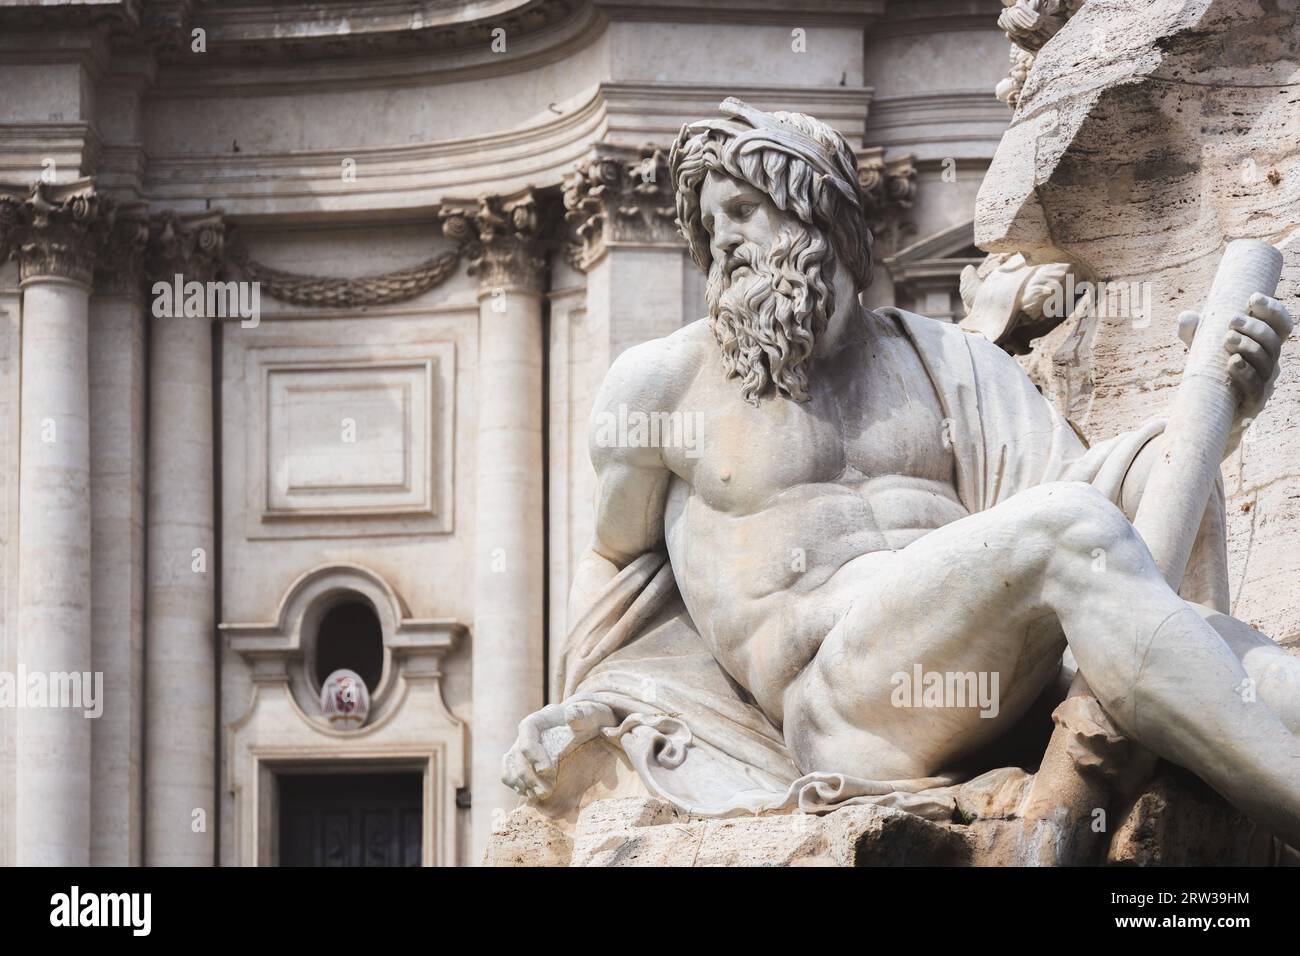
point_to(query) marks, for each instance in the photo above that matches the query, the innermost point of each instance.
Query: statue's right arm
(631, 482)
(631, 493)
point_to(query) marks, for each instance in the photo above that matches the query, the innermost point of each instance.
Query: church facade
(302, 314)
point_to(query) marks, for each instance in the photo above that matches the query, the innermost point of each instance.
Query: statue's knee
(1077, 519)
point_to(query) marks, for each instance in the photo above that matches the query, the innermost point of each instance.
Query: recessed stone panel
(344, 442)
(348, 439)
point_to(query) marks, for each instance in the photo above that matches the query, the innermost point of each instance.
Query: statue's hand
(547, 736)
(1254, 343)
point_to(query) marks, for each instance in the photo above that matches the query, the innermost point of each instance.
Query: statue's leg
(970, 596)
(1274, 674)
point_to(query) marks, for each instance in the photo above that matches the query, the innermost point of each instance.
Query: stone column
(54, 230)
(118, 388)
(180, 637)
(621, 231)
(509, 560)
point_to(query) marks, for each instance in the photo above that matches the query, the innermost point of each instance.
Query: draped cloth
(695, 736)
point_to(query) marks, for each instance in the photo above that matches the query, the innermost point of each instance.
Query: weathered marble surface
(935, 511)
(1146, 136)
(1176, 820)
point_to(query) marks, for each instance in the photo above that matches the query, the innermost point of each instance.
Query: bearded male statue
(875, 494)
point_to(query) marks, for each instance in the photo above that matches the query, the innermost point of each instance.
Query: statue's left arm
(1254, 343)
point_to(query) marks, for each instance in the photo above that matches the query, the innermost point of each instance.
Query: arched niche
(282, 731)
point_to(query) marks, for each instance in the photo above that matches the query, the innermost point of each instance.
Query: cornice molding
(392, 181)
(654, 112)
(277, 73)
(234, 21)
(73, 14)
(818, 13)
(949, 117)
(909, 17)
(411, 36)
(25, 146)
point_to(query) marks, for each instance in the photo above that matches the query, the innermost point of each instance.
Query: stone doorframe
(409, 728)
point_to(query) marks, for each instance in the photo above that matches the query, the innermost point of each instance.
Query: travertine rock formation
(1147, 135)
(1177, 821)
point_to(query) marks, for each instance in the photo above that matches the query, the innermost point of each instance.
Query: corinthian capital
(616, 196)
(54, 229)
(888, 191)
(502, 238)
(119, 269)
(191, 245)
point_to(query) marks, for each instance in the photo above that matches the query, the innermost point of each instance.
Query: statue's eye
(744, 210)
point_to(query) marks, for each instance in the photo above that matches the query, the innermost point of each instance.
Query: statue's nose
(727, 244)
(726, 234)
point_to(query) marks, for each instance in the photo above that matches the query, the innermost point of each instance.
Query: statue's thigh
(964, 595)
(958, 601)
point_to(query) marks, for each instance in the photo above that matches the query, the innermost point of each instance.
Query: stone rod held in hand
(1203, 412)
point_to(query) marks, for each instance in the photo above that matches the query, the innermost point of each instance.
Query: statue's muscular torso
(777, 513)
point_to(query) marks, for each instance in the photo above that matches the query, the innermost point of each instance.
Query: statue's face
(766, 294)
(736, 214)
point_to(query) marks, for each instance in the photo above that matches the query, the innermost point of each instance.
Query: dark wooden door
(364, 819)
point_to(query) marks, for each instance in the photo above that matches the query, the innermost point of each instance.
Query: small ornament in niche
(344, 699)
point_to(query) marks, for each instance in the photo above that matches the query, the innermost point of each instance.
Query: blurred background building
(455, 216)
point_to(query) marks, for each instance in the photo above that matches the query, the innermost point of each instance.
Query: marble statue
(884, 542)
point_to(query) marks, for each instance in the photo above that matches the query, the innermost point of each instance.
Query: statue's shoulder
(934, 338)
(655, 372)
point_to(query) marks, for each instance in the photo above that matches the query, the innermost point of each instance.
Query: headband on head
(764, 131)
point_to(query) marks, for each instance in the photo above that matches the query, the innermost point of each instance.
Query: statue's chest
(746, 457)
(893, 424)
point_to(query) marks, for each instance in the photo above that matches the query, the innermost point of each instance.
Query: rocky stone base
(1175, 820)
(638, 831)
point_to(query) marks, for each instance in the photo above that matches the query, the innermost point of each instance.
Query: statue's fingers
(1273, 312)
(1187, 323)
(584, 718)
(1242, 346)
(1259, 331)
(518, 770)
(540, 790)
(536, 756)
(510, 773)
(1244, 376)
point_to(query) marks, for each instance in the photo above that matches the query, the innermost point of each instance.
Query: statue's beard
(767, 319)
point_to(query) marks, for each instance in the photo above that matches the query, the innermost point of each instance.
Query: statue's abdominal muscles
(774, 530)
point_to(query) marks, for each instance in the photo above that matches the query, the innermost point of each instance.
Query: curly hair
(804, 166)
